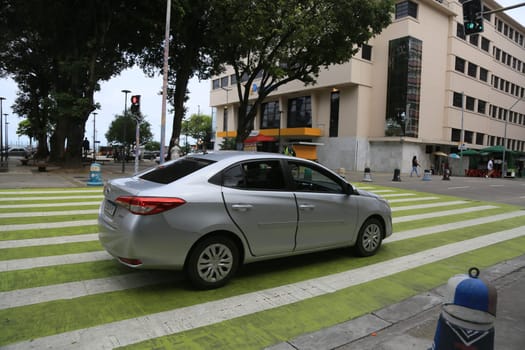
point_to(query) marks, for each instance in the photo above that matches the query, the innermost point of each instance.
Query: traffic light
(135, 104)
(473, 16)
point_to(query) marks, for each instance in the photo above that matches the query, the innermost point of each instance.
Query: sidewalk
(411, 324)
(27, 176)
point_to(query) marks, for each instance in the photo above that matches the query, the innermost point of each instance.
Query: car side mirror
(350, 189)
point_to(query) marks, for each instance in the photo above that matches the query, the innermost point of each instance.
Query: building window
(494, 111)
(483, 74)
(233, 79)
(482, 106)
(469, 135)
(403, 86)
(456, 135)
(460, 64)
(479, 138)
(472, 69)
(474, 39)
(406, 8)
(334, 114)
(270, 115)
(495, 81)
(366, 52)
(469, 103)
(225, 120)
(457, 100)
(485, 44)
(497, 53)
(460, 31)
(225, 81)
(215, 84)
(300, 112)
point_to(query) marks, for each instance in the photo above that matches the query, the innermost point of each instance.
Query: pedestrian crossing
(51, 298)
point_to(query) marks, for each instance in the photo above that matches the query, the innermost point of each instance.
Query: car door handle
(242, 207)
(306, 206)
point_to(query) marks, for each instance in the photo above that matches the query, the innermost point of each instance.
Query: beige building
(420, 88)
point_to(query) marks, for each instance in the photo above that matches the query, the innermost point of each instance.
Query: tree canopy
(285, 40)
(58, 52)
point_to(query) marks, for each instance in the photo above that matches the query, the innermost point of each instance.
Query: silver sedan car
(208, 214)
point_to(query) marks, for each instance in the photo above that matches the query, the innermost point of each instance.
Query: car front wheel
(212, 262)
(370, 237)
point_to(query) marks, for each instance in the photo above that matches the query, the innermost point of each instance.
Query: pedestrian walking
(415, 165)
(490, 168)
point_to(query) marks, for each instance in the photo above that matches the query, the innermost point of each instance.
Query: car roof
(237, 155)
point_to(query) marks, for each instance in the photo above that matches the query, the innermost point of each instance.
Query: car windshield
(166, 174)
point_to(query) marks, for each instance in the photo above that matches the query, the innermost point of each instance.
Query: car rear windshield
(165, 174)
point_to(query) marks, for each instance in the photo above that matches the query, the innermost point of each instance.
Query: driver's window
(308, 178)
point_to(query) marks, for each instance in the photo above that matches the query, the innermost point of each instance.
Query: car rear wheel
(370, 237)
(212, 262)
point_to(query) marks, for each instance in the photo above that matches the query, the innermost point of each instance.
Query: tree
(63, 49)
(122, 131)
(285, 40)
(192, 37)
(198, 126)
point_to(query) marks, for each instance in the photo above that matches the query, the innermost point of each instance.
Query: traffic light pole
(503, 9)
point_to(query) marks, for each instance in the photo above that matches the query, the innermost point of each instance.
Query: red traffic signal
(135, 104)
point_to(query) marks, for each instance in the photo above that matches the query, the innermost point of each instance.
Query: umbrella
(260, 138)
(454, 156)
(440, 154)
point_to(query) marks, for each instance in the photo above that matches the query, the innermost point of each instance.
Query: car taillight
(149, 205)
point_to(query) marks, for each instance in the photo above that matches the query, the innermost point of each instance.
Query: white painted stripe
(23, 198)
(40, 226)
(48, 240)
(388, 195)
(47, 293)
(47, 205)
(437, 214)
(48, 213)
(398, 236)
(426, 206)
(138, 329)
(21, 264)
(457, 187)
(25, 192)
(29, 296)
(400, 200)
(30, 263)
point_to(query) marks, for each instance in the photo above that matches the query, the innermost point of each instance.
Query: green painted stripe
(50, 210)
(152, 299)
(49, 250)
(50, 232)
(266, 328)
(46, 276)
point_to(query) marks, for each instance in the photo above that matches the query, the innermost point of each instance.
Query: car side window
(259, 175)
(309, 178)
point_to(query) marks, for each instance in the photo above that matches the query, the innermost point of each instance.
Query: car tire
(370, 237)
(212, 262)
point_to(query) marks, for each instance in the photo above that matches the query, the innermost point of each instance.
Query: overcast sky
(111, 98)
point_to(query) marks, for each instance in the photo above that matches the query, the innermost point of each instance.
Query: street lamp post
(126, 92)
(6, 140)
(1, 136)
(94, 138)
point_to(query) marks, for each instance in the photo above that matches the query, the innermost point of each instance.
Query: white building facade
(420, 88)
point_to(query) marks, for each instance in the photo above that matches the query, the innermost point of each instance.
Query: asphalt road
(506, 190)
